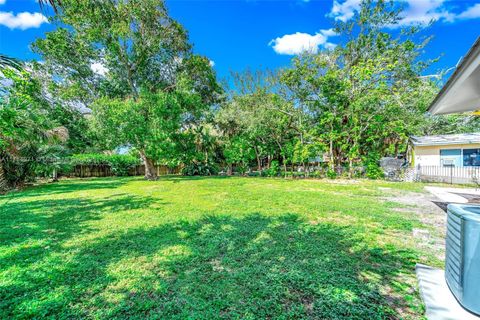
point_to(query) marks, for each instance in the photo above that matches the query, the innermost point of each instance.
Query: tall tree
(29, 129)
(356, 93)
(128, 60)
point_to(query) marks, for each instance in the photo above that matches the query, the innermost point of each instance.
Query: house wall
(430, 155)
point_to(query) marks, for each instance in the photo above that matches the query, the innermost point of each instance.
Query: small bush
(298, 174)
(331, 174)
(241, 169)
(373, 171)
(200, 169)
(315, 174)
(274, 170)
(121, 164)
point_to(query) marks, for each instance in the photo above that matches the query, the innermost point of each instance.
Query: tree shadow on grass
(250, 266)
(40, 227)
(75, 185)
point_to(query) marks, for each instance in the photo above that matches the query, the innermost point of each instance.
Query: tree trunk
(332, 158)
(3, 181)
(396, 150)
(350, 168)
(54, 175)
(259, 162)
(150, 173)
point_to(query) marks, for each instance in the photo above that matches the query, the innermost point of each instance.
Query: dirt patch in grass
(424, 206)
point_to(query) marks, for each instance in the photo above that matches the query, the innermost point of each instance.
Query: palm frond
(55, 4)
(6, 61)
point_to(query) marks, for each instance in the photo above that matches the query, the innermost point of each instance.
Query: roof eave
(443, 143)
(470, 56)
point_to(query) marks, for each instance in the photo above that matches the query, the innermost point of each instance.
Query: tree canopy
(133, 66)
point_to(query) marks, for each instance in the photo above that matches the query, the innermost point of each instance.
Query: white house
(457, 150)
(453, 158)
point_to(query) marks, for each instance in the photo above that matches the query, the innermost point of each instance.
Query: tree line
(124, 74)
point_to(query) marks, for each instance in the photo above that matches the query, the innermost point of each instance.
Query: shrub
(372, 167)
(315, 174)
(200, 169)
(331, 174)
(47, 169)
(120, 164)
(241, 169)
(274, 169)
(373, 171)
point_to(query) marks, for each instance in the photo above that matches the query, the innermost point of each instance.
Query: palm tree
(6, 61)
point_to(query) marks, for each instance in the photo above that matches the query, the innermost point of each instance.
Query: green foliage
(373, 171)
(331, 174)
(372, 167)
(155, 95)
(149, 123)
(263, 119)
(120, 164)
(153, 85)
(200, 169)
(274, 170)
(238, 151)
(367, 92)
(31, 136)
(80, 136)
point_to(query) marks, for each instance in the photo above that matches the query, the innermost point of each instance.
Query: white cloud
(422, 12)
(416, 12)
(212, 63)
(23, 20)
(299, 42)
(330, 46)
(471, 13)
(344, 11)
(99, 68)
(3, 1)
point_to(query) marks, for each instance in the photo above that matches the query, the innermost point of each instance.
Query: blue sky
(239, 34)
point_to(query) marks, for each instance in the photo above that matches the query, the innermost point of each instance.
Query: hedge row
(120, 164)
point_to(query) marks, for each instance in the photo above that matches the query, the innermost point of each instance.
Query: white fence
(458, 175)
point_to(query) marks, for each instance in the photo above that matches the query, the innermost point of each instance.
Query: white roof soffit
(461, 93)
(447, 139)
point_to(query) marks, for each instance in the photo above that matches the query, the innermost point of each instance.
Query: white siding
(430, 155)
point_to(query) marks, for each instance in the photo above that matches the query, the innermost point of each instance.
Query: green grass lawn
(207, 248)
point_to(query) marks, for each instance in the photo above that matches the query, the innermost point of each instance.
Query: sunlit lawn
(207, 248)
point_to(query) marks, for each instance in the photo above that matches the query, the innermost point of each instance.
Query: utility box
(462, 263)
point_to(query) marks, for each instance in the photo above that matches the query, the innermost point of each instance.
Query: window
(471, 157)
(450, 157)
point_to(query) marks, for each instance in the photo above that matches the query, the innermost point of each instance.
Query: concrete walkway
(453, 195)
(439, 301)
